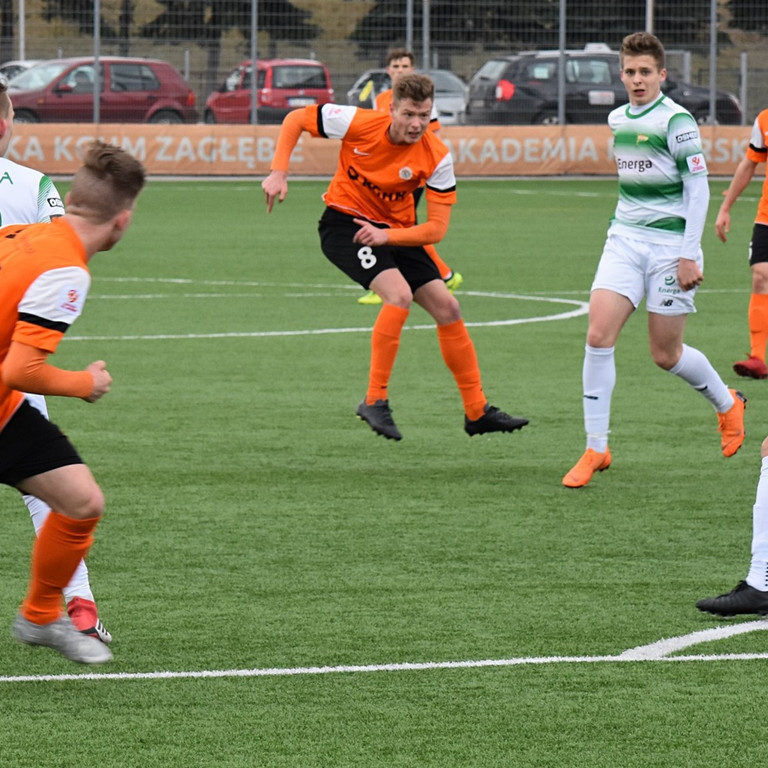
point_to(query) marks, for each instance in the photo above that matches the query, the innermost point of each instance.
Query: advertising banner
(244, 150)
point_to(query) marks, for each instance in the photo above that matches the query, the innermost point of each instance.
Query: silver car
(451, 92)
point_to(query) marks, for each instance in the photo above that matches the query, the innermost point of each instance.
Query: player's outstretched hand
(101, 380)
(275, 186)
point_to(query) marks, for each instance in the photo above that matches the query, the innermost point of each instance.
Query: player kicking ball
(368, 230)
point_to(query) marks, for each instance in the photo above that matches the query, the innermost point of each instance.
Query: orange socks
(460, 357)
(385, 341)
(445, 270)
(60, 545)
(758, 324)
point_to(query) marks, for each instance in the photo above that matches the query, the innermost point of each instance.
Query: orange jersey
(44, 280)
(375, 179)
(384, 101)
(757, 151)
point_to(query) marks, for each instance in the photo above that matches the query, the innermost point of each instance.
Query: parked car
(281, 85)
(451, 92)
(365, 89)
(521, 89)
(10, 69)
(132, 91)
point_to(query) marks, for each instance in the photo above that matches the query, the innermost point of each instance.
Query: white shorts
(636, 268)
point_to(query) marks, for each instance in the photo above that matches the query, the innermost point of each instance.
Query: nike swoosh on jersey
(356, 151)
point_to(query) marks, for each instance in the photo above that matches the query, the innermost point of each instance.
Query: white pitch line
(658, 651)
(662, 648)
(581, 308)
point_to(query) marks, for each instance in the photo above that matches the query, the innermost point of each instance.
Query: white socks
(694, 368)
(599, 379)
(758, 569)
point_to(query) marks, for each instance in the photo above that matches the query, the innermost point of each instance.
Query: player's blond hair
(415, 87)
(108, 182)
(643, 44)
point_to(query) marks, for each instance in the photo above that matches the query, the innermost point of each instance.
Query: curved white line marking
(662, 648)
(581, 308)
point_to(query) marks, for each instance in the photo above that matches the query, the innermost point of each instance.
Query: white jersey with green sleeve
(26, 196)
(656, 150)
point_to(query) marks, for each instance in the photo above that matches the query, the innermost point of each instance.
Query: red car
(282, 85)
(132, 91)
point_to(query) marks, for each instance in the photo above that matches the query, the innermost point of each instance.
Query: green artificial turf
(253, 523)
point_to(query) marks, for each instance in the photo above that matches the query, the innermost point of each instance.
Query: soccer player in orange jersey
(757, 315)
(45, 281)
(28, 197)
(369, 231)
(399, 63)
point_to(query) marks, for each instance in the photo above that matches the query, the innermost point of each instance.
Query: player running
(652, 250)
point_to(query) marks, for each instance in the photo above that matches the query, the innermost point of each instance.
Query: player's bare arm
(741, 178)
(723, 224)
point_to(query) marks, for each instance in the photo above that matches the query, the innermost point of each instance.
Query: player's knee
(759, 282)
(87, 504)
(401, 297)
(664, 359)
(447, 311)
(598, 338)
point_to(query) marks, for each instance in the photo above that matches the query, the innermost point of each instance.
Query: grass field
(287, 589)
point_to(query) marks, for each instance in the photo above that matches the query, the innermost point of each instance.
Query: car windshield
(298, 76)
(446, 82)
(38, 77)
(492, 70)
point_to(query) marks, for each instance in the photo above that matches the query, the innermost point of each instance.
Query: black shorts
(31, 445)
(758, 245)
(362, 263)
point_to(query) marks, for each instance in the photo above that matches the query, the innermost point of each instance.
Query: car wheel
(166, 117)
(546, 117)
(209, 118)
(25, 116)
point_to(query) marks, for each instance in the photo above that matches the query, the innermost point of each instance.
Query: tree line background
(206, 38)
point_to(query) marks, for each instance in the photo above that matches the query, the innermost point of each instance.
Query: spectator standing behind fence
(652, 250)
(399, 63)
(757, 315)
(368, 230)
(45, 281)
(29, 197)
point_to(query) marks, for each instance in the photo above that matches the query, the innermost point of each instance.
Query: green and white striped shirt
(657, 148)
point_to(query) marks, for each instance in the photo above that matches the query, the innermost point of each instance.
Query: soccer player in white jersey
(28, 197)
(652, 251)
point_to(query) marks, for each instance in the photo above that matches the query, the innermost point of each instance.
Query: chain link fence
(712, 43)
